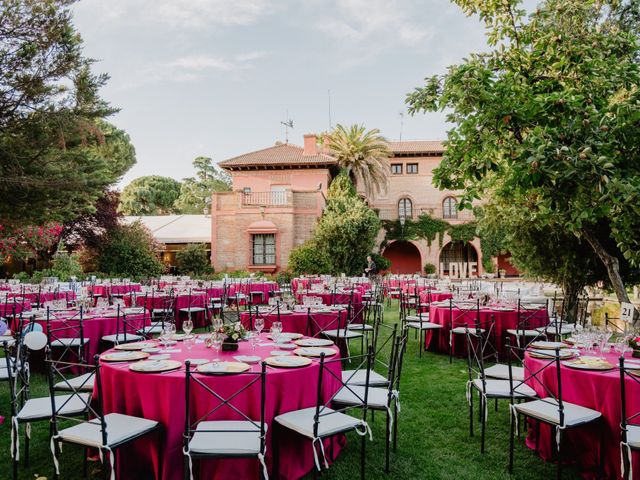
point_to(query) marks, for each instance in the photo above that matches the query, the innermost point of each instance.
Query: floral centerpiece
(234, 332)
(634, 343)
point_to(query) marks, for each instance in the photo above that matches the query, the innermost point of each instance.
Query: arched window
(405, 208)
(449, 209)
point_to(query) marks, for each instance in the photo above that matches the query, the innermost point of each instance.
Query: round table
(10, 308)
(428, 296)
(599, 391)
(96, 323)
(161, 397)
(298, 321)
(106, 290)
(504, 320)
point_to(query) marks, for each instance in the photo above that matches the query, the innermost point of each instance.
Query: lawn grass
(433, 439)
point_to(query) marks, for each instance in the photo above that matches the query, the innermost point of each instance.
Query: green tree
(56, 155)
(548, 121)
(363, 154)
(151, 195)
(195, 192)
(130, 251)
(65, 265)
(309, 259)
(347, 229)
(194, 260)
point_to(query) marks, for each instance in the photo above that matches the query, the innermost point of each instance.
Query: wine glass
(170, 330)
(187, 327)
(216, 343)
(275, 332)
(259, 324)
(217, 324)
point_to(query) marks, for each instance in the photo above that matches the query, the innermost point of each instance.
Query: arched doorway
(404, 256)
(458, 260)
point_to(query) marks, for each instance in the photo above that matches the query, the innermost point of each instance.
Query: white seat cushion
(378, 397)
(463, 330)
(69, 342)
(40, 408)
(119, 429)
(330, 422)
(4, 373)
(416, 318)
(501, 371)
(83, 382)
(120, 338)
(424, 325)
(633, 436)
(160, 310)
(524, 333)
(547, 411)
(343, 333)
(551, 329)
(229, 442)
(192, 309)
(360, 326)
(501, 388)
(359, 377)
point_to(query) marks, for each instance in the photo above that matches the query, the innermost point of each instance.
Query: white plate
(579, 364)
(197, 361)
(287, 346)
(550, 354)
(136, 346)
(279, 353)
(314, 351)
(288, 362)
(154, 366)
(314, 342)
(123, 356)
(223, 368)
(250, 359)
(159, 356)
(151, 350)
(544, 345)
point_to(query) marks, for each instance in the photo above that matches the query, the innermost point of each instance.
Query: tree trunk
(571, 291)
(612, 265)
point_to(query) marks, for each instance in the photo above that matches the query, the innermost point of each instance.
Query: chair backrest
(320, 322)
(464, 313)
(223, 404)
(329, 372)
(61, 372)
(17, 364)
(383, 351)
(62, 327)
(533, 377)
(627, 375)
(480, 348)
(529, 315)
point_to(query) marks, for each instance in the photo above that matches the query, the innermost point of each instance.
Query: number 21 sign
(626, 312)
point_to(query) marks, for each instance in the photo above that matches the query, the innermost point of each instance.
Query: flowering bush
(233, 331)
(634, 342)
(28, 242)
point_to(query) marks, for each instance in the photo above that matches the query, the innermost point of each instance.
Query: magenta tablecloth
(297, 322)
(599, 391)
(95, 326)
(428, 296)
(504, 320)
(104, 290)
(161, 397)
(44, 296)
(10, 308)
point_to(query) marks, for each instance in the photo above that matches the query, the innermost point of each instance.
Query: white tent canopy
(176, 228)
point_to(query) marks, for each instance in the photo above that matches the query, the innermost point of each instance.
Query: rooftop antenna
(288, 123)
(329, 99)
(401, 114)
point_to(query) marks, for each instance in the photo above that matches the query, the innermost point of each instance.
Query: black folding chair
(630, 423)
(242, 437)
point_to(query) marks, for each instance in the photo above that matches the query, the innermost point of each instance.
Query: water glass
(170, 330)
(217, 324)
(216, 343)
(275, 332)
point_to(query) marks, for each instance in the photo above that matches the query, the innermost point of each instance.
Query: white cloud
(179, 13)
(373, 23)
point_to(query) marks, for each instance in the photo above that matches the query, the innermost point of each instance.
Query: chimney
(310, 144)
(326, 144)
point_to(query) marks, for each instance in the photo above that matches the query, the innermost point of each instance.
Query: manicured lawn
(433, 440)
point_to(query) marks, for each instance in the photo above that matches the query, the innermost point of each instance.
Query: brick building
(279, 192)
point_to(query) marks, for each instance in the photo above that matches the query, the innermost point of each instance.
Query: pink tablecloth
(104, 290)
(599, 391)
(298, 322)
(44, 296)
(95, 326)
(504, 320)
(10, 308)
(161, 397)
(428, 296)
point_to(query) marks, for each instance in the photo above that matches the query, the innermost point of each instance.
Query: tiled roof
(283, 154)
(417, 146)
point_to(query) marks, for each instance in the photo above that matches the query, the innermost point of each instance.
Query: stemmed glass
(217, 324)
(259, 324)
(276, 330)
(187, 327)
(216, 343)
(170, 330)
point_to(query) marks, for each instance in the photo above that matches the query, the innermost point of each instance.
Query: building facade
(279, 192)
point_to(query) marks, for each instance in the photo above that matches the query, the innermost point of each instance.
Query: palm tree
(363, 154)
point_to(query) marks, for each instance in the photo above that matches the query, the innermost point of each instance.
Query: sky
(216, 78)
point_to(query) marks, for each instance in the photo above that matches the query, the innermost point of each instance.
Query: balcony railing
(265, 199)
(435, 212)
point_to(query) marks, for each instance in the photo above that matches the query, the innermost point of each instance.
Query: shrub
(284, 276)
(65, 265)
(130, 251)
(383, 263)
(22, 276)
(429, 268)
(309, 259)
(193, 260)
